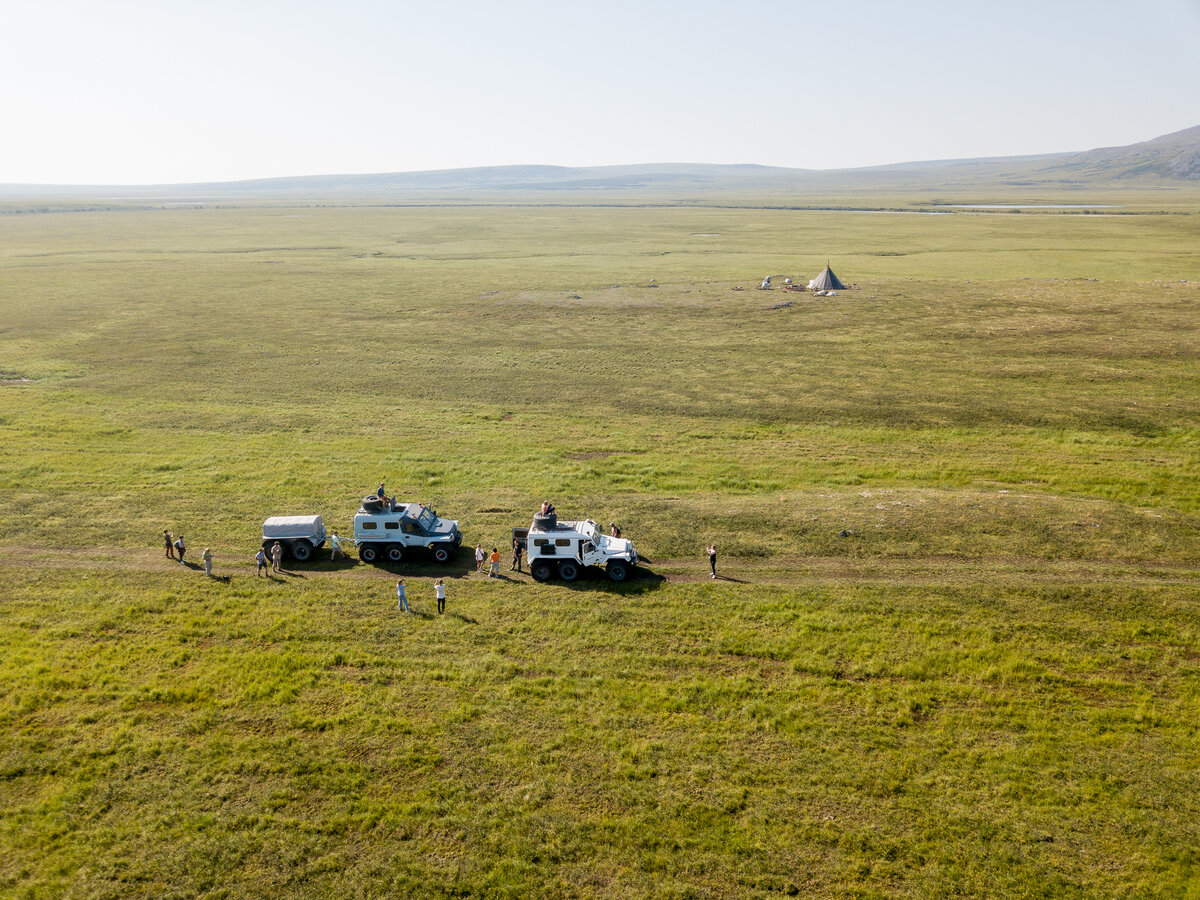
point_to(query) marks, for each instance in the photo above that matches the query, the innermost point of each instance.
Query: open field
(988, 686)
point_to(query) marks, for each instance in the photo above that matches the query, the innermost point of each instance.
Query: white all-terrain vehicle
(564, 549)
(386, 531)
(299, 536)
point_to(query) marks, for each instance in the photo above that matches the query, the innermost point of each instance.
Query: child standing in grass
(170, 547)
(439, 589)
(180, 548)
(480, 556)
(712, 559)
(494, 571)
(261, 559)
(207, 557)
(401, 598)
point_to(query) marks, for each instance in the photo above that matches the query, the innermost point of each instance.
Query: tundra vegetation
(955, 652)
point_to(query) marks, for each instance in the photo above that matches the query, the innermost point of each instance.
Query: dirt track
(798, 570)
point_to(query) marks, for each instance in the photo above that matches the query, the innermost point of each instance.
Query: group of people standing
(439, 593)
(174, 548)
(276, 554)
(491, 561)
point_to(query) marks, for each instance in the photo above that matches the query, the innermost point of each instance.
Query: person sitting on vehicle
(614, 530)
(381, 493)
(545, 519)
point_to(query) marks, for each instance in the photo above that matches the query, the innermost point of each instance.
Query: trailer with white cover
(300, 536)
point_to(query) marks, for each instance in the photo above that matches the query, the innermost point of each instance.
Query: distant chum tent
(826, 281)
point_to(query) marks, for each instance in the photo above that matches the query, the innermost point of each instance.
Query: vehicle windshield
(589, 528)
(426, 519)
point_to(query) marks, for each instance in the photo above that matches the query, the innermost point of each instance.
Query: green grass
(987, 687)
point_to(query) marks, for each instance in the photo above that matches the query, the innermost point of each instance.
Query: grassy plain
(987, 687)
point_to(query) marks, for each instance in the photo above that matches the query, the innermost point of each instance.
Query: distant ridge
(1172, 156)
(1169, 158)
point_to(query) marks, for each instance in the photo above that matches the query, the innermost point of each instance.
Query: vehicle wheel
(540, 572)
(618, 570)
(568, 571)
(394, 553)
(301, 551)
(545, 521)
(441, 553)
(368, 553)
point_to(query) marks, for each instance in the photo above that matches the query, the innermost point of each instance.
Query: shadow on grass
(423, 566)
(593, 580)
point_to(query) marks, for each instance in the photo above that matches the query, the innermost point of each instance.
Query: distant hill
(1170, 158)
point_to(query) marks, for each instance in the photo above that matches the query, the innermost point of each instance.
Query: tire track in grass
(791, 570)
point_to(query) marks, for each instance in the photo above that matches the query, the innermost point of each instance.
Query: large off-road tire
(618, 570)
(442, 553)
(394, 553)
(372, 504)
(301, 550)
(368, 553)
(545, 521)
(541, 571)
(568, 571)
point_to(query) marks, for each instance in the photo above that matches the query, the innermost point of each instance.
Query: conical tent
(826, 281)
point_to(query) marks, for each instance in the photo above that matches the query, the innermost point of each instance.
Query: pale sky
(172, 91)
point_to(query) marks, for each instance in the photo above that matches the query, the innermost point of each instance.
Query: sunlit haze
(162, 92)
